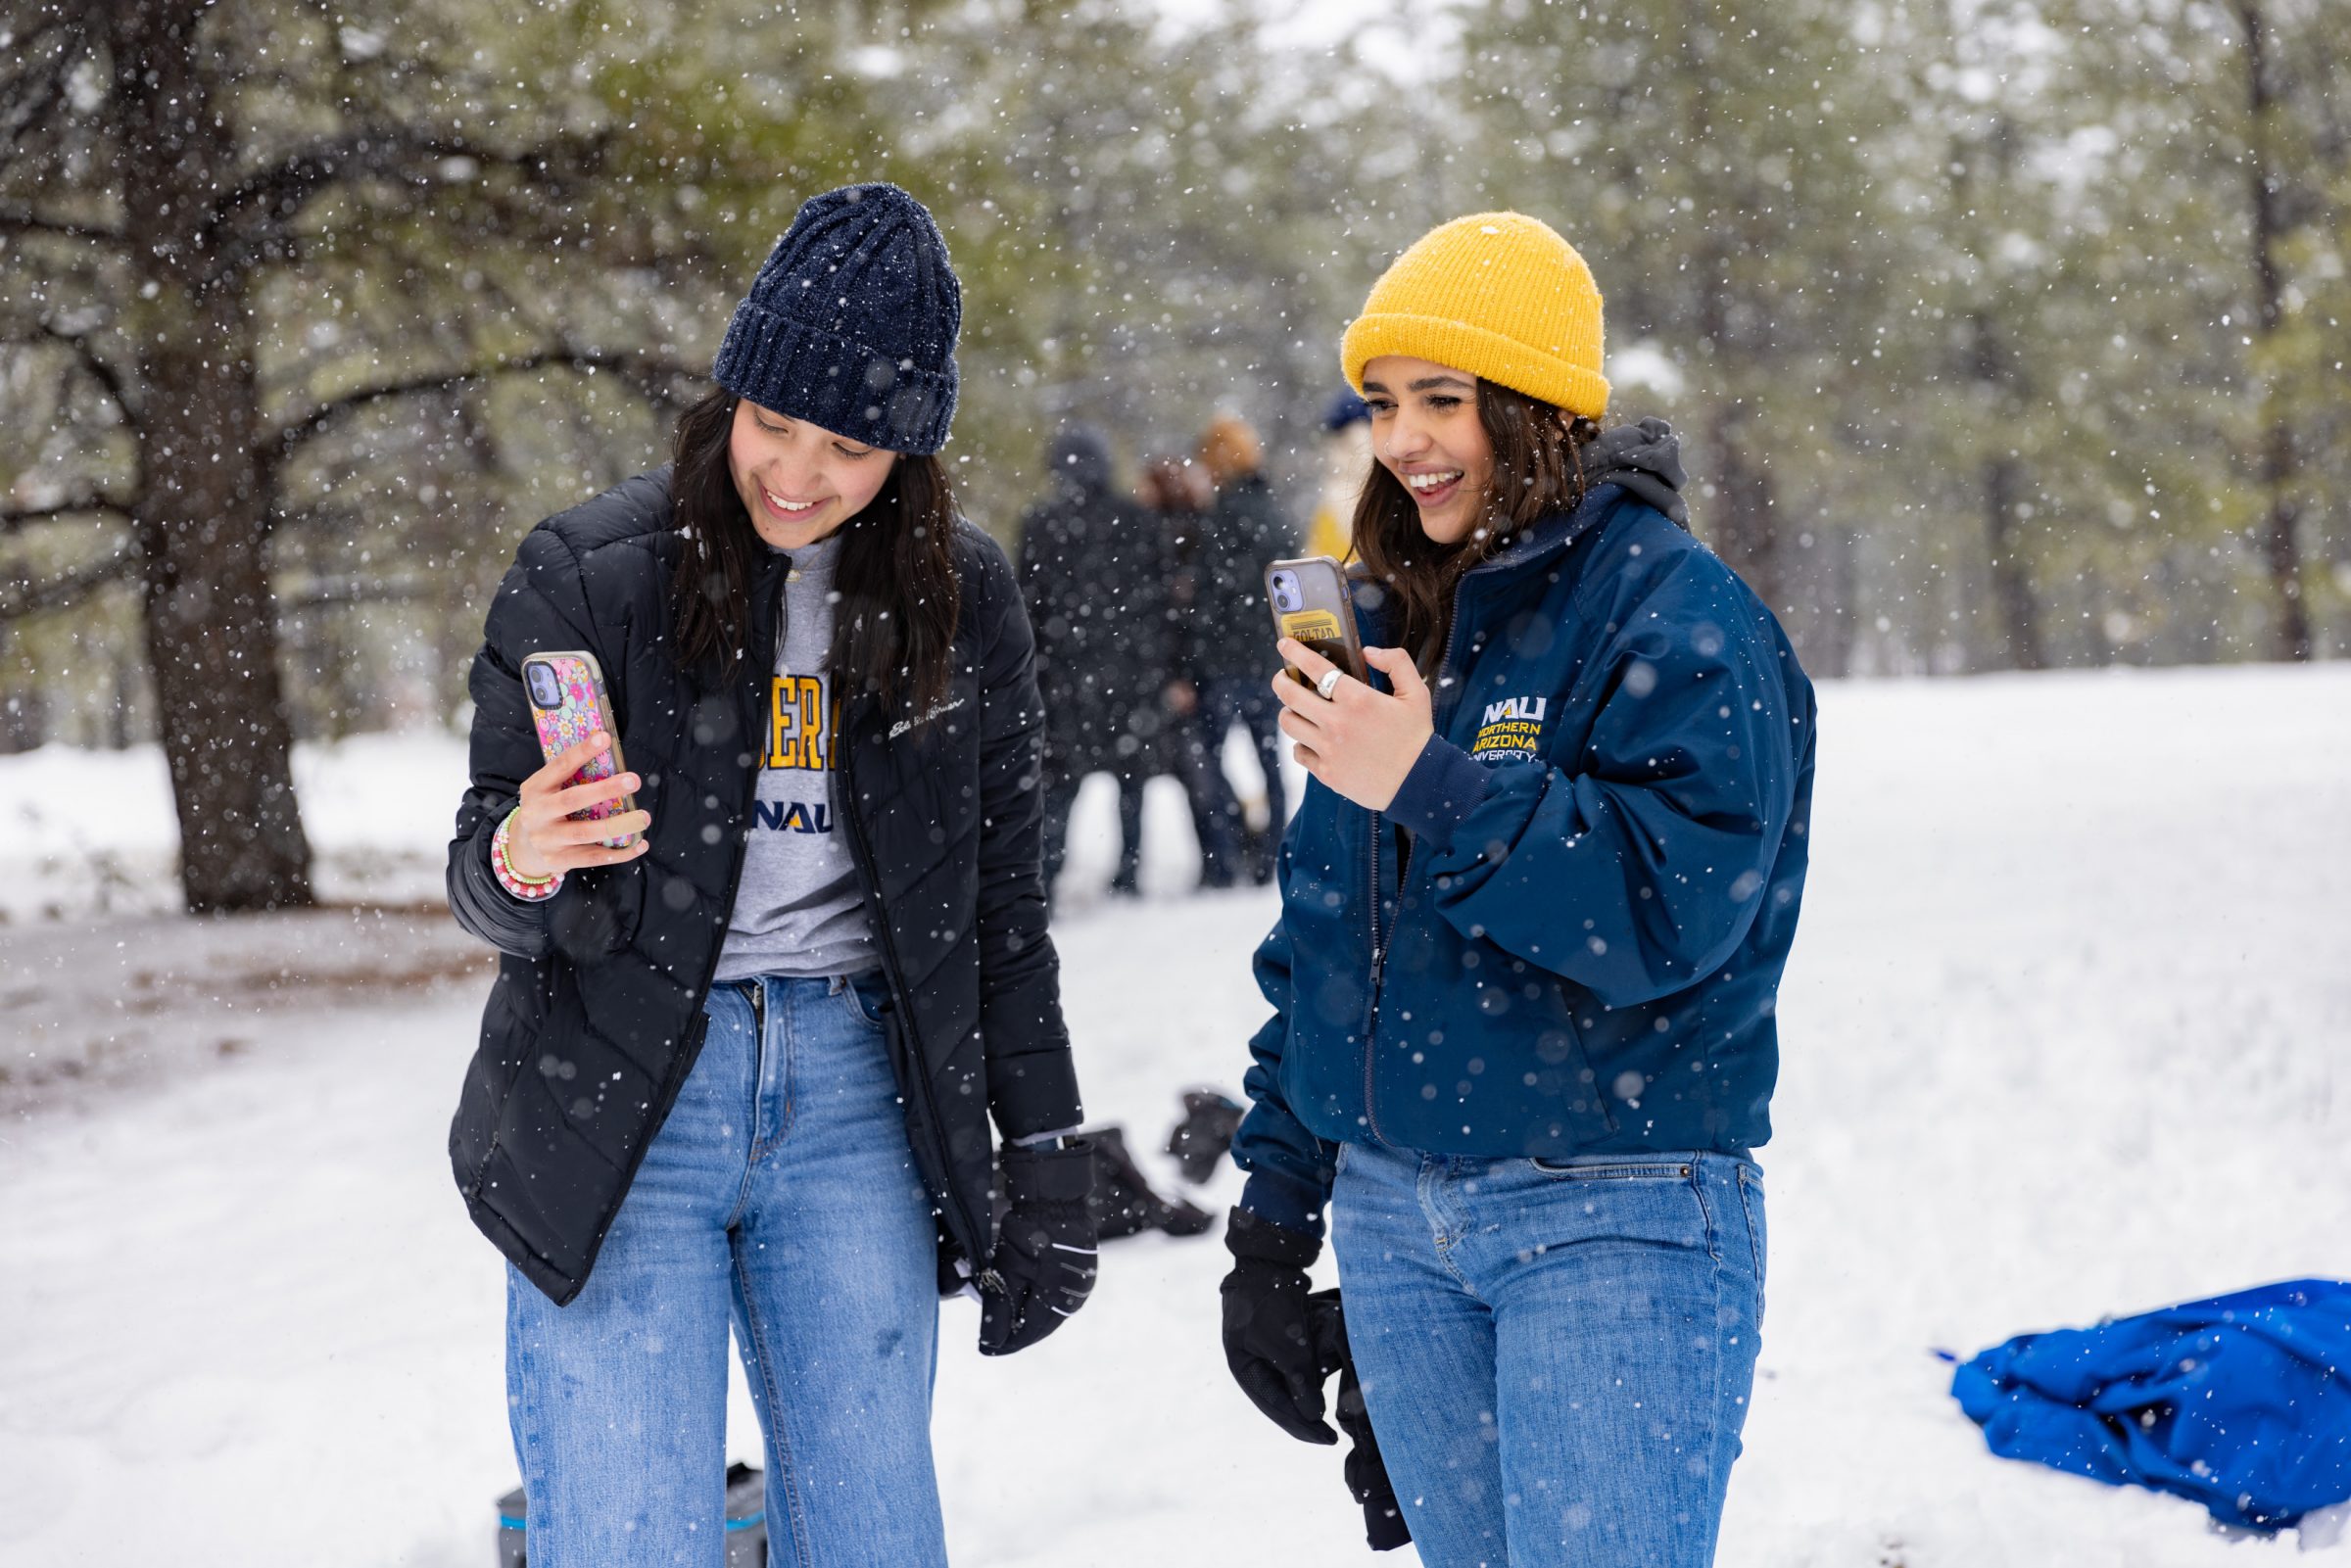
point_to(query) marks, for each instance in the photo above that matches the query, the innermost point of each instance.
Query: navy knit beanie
(851, 322)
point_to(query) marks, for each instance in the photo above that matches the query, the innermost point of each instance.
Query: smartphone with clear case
(568, 704)
(1311, 603)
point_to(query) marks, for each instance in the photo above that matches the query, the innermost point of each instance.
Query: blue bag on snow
(2239, 1402)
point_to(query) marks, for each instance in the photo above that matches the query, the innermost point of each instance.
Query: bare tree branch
(21, 596)
(332, 593)
(648, 373)
(105, 374)
(24, 220)
(89, 505)
(396, 151)
(31, 92)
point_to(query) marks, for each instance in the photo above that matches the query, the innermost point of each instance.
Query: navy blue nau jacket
(1575, 944)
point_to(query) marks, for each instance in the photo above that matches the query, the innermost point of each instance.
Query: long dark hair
(1538, 470)
(893, 628)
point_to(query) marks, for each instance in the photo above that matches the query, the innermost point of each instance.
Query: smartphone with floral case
(568, 704)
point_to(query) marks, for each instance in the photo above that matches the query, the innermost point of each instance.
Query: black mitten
(1367, 1474)
(1266, 1340)
(1044, 1263)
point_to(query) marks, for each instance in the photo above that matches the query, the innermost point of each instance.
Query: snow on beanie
(1499, 295)
(851, 323)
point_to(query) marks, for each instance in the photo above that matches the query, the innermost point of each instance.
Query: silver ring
(1328, 684)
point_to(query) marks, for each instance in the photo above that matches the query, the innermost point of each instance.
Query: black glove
(1266, 1340)
(1366, 1475)
(1200, 1140)
(1044, 1263)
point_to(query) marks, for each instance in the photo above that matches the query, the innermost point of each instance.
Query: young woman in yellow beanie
(1535, 906)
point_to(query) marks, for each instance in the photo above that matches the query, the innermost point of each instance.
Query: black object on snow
(1124, 1202)
(747, 1522)
(1200, 1140)
(1367, 1473)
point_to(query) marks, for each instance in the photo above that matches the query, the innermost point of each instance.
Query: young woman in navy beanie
(748, 1036)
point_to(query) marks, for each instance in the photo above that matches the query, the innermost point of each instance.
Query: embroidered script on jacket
(903, 725)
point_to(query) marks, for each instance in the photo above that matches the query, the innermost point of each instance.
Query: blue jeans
(1556, 1356)
(780, 1195)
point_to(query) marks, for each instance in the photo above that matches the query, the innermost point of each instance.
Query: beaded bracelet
(530, 889)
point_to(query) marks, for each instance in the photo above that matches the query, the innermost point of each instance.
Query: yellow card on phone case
(1311, 626)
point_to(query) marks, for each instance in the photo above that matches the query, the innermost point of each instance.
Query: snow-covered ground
(2068, 1032)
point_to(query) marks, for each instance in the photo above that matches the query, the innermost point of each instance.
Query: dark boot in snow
(1201, 1138)
(1124, 1202)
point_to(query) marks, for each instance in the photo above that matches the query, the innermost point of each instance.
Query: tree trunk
(1747, 528)
(203, 516)
(1824, 573)
(2011, 583)
(2279, 547)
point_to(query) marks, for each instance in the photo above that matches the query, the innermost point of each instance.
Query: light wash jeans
(1557, 1358)
(780, 1195)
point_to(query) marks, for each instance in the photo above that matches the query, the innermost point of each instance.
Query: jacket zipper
(918, 1081)
(1380, 952)
(743, 840)
(1379, 958)
(1438, 720)
(697, 1026)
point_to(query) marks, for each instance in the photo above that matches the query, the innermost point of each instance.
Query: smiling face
(1425, 430)
(801, 483)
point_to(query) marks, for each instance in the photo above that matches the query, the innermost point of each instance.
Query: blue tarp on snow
(2239, 1402)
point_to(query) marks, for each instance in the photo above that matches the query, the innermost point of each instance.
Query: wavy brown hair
(1538, 470)
(893, 628)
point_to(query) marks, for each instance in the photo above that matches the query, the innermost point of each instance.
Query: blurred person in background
(1536, 903)
(1176, 492)
(1244, 531)
(1097, 571)
(1346, 453)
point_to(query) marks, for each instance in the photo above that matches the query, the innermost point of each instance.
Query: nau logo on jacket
(1511, 728)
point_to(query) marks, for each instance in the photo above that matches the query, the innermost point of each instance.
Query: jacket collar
(1550, 536)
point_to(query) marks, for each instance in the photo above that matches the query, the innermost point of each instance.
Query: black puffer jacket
(1097, 571)
(596, 1017)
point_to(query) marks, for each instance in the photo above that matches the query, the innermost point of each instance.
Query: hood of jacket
(1645, 459)
(1079, 458)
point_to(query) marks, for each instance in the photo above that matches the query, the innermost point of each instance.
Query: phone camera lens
(543, 690)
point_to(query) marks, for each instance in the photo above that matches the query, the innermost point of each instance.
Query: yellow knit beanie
(1499, 295)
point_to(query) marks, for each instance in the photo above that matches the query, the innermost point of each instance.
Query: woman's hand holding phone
(544, 839)
(1359, 742)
